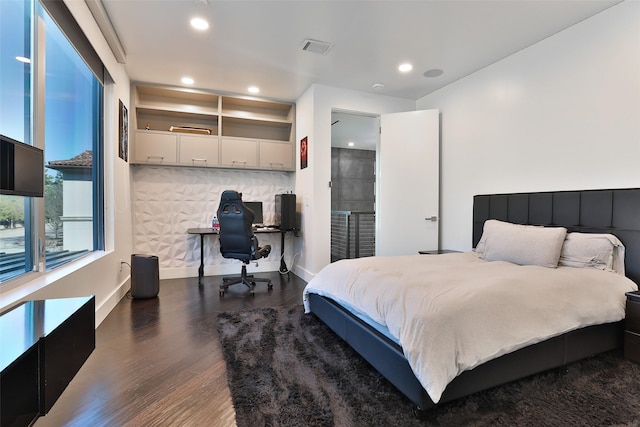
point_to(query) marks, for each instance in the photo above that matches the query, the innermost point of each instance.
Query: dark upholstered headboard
(589, 211)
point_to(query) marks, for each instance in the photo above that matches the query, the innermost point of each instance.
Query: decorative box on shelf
(187, 129)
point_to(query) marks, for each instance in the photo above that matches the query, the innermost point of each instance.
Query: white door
(407, 184)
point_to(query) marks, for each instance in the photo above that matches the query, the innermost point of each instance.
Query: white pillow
(591, 250)
(521, 244)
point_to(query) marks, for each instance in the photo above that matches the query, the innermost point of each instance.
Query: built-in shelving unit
(183, 127)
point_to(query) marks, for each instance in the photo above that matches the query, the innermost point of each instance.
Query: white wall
(563, 114)
(313, 120)
(98, 274)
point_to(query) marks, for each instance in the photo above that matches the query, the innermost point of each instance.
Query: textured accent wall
(169, 200)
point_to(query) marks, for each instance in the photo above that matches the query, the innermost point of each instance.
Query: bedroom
(561, 114)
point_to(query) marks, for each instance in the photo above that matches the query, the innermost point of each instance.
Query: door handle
(431, 218)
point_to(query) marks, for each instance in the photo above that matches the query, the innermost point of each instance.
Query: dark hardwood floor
(158, 362)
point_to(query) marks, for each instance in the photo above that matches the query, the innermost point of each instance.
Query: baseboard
(105, 307)
(302, 273)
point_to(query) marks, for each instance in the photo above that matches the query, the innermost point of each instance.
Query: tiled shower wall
(169, 200)
(353, 179)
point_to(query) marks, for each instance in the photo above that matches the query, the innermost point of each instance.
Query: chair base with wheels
(246, 279)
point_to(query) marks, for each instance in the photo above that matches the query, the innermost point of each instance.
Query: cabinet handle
(155, 157)
(193, 160)
(280, 165)
(234, 162)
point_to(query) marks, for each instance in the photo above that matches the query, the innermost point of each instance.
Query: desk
(44, 344)
(207, 231)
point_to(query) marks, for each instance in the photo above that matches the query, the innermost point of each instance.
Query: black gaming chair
(237, 240)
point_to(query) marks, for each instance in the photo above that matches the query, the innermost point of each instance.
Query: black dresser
(632, 327)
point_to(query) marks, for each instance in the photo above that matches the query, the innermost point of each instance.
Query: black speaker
(145, 276)
(286, 211)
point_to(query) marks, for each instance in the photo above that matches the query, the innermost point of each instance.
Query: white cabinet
(196, 150)
(239, 153)
(155, 148)
(276, 156)
(184, 127)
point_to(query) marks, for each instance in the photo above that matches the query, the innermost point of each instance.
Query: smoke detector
(316, 46)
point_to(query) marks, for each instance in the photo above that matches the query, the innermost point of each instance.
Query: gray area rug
(286, 368)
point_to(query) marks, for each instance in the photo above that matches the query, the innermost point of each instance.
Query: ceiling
(258, 42)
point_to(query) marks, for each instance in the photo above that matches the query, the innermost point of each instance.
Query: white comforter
(452, 312)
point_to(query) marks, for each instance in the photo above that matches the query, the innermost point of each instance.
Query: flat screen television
(21, 169)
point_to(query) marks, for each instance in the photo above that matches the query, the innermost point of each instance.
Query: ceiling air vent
(315, 46)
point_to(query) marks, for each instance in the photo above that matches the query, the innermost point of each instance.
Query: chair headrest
(230, 195)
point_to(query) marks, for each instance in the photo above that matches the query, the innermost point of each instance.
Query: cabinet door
(198, 151)
(276, 155)
(239, 152)
(155, 148)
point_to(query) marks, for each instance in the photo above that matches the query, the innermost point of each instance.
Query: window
(15, 122)
(71, 118)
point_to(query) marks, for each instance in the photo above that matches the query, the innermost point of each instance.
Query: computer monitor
(256, 207)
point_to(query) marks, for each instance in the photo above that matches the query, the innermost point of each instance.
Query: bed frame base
(387, 357)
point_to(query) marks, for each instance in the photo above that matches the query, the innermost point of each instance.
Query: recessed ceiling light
(351, 144)
(187, 80)
(405, 68)
(199, 24)
(23, 59)
(377, 86)
(434, 72)
(253, 89)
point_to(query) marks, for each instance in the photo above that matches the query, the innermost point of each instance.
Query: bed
(380, 340)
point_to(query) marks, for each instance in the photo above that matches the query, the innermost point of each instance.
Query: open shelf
(256, 109)
(176, 100)
(257, 129)
(151, 119)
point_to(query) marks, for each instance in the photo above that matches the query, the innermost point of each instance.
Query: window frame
(35, 207)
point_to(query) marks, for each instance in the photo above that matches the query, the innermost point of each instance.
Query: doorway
(400, 174)
(354, 138)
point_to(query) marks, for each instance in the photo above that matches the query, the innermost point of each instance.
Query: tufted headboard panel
(588, 211)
